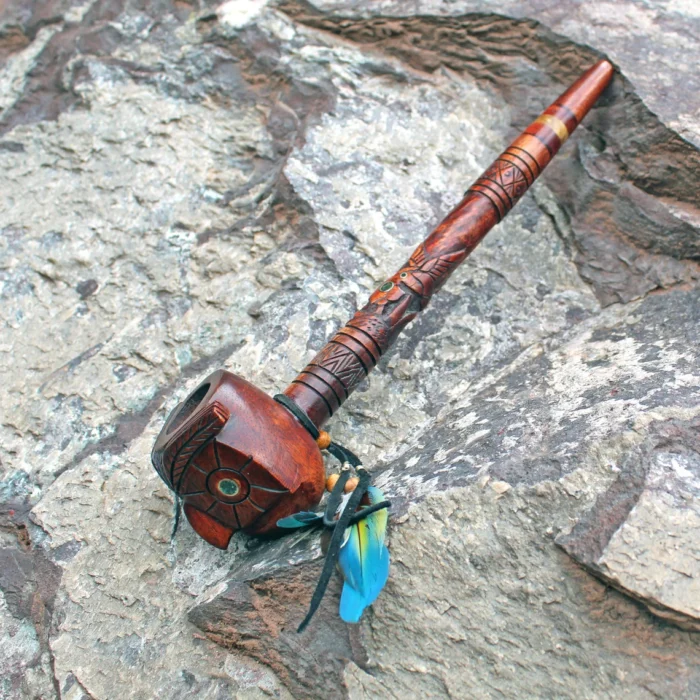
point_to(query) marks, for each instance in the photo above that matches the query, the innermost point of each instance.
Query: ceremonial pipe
(239, 459)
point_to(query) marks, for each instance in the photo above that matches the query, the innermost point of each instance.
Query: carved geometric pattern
(526, 158)
(342, 363)
(504, 182)
(192, 440)
(230, 485)
(523, 160)
(511, 179)
(356, 348)
(375, 327)
(347, 359)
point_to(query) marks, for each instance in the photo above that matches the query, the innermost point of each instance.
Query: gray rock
(620, 186)
(654, 44)
(544, 435)
(642, 534)
(257, 616)
(195, 185)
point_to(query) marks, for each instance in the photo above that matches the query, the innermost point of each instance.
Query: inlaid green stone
(228, 487)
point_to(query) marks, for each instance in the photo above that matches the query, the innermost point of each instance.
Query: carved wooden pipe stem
(240, 460)
(329, 379)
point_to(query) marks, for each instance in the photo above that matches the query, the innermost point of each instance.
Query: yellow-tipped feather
(364, 561)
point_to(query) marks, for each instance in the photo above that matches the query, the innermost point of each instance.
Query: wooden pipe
(239, 459)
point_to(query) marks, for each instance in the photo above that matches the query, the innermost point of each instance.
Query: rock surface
(641, 534)
(191, 185)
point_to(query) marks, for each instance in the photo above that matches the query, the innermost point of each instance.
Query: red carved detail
(188, 442)
(342, 363)
(262, 464)
(503, 183)
(237, 459)
(397, 301)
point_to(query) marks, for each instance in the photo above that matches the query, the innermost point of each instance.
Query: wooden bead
(323, 440)
(351, 484)
(331, 481)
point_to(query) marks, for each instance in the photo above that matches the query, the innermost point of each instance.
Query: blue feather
(352, 604)
(350, 559)
(364, 561)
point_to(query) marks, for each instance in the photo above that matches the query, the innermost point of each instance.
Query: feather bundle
(364, 560)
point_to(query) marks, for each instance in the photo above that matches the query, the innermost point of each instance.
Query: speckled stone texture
(191, 184)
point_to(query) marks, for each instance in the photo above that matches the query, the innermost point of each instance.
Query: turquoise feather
(364, 561)
(301, 519)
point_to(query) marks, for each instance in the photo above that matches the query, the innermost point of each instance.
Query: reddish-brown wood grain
(240, 460)
(327, 381)
(237, 458)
